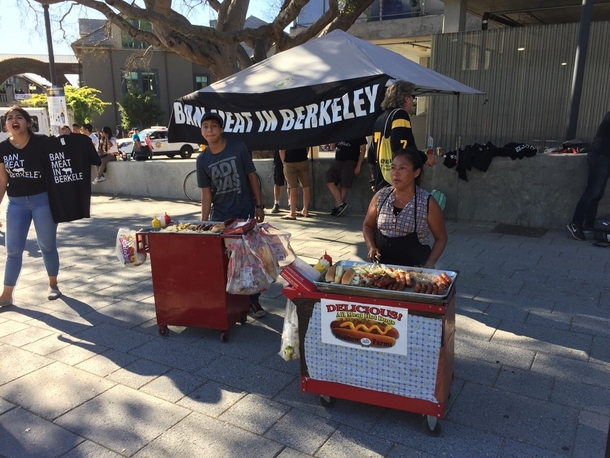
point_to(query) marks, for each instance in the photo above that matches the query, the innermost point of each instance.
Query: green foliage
(83, 103)
(140, 110)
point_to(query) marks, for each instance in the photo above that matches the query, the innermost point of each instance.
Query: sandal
(289, 217)
(303, 215)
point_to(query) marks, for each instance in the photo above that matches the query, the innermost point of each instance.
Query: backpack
(440, 198)
(385, 155)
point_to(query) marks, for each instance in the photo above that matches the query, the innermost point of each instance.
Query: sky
(23, 32)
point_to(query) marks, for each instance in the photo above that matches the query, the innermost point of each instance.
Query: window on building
(149, 82)
(142, 81)
(201, 81)
(128, 42)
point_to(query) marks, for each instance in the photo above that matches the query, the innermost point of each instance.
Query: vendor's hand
(373, 255)
(260, 215)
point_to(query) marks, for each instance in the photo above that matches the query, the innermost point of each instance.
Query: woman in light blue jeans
(22, 179)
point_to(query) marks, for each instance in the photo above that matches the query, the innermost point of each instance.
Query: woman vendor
(400, 218)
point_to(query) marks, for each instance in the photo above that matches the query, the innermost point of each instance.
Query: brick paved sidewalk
(89, 375)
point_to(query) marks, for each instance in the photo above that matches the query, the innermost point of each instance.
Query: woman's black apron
(405, 250)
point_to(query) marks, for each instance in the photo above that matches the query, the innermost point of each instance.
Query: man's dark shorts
(341, 172)
(278, 170)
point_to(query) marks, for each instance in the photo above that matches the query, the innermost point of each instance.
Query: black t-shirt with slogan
(67, 167)
(349, 150)
(24, 166)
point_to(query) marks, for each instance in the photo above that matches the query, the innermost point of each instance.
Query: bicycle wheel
(191, 190)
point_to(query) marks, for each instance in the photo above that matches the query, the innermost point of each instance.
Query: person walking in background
(340, 175)
(76, 129)
(278, 181)
(296, 170)
(88, 130)
(598, 164)
(397, 103)
(22, 179)
(108, 151)
(65, 130)
(228, 181)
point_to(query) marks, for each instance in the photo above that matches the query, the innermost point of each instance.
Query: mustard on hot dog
(379, 334)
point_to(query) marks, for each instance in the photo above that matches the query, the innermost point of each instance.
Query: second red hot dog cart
(417, 381)
(189, 275)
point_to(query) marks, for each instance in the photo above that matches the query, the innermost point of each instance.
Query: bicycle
(193, 192)
(190, 188)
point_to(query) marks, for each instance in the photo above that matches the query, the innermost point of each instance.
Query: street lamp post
(47, 25)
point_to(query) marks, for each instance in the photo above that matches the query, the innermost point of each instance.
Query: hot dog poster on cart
(378, 328)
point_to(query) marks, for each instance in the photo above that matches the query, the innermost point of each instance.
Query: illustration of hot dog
(369, 333)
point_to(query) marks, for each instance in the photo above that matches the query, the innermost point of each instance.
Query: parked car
(161, 147)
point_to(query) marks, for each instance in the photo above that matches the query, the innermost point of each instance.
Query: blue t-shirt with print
(226, 173)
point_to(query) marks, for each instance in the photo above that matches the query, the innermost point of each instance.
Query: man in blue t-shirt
(227, 178)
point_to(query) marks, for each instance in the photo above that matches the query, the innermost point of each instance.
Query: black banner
(286, 118)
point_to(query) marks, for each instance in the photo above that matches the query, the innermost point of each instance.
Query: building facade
(113, 63)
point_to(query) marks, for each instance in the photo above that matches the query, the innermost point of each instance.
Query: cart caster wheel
(243, 320)
(163, 331)
(432, 426)
(224, 336)
(327, 401)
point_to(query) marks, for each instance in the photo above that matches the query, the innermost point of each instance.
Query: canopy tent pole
(458, 142)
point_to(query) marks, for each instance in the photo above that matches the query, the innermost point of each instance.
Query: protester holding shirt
(21, 178)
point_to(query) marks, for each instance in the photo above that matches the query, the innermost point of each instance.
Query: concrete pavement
(89, 375)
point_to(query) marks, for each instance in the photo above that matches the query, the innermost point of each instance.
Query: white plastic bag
(289, 349)
(246, 272)
(127, 249)
(279, 242)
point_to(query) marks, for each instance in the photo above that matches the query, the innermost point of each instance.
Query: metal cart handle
(142, 242)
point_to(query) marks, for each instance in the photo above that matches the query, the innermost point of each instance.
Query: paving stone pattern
(89, 375)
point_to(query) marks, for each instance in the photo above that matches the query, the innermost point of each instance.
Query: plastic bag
(260, 247)
(279, 242)
(289, 349)
(246, 273)
(127, 249)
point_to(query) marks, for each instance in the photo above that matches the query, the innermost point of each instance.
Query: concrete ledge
(536, 192)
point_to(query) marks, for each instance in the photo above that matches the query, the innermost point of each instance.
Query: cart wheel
(327, 401)
(432, 426)
(163, 330)
(243, 320)
(224, 336)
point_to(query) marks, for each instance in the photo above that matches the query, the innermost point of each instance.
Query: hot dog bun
(353, 330)
(330, 273)
(339, 274)
(348, 276)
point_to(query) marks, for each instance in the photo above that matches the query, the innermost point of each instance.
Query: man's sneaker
(576, 231)
(276, 208)
(341, 208)
(95, 181)
(102, 178)
(256, 310)
(334, 211)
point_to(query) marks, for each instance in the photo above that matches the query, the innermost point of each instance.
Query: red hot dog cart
(413, 374)
(189, 275)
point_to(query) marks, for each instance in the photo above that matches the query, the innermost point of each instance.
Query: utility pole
(579, 68)
(47, 25)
